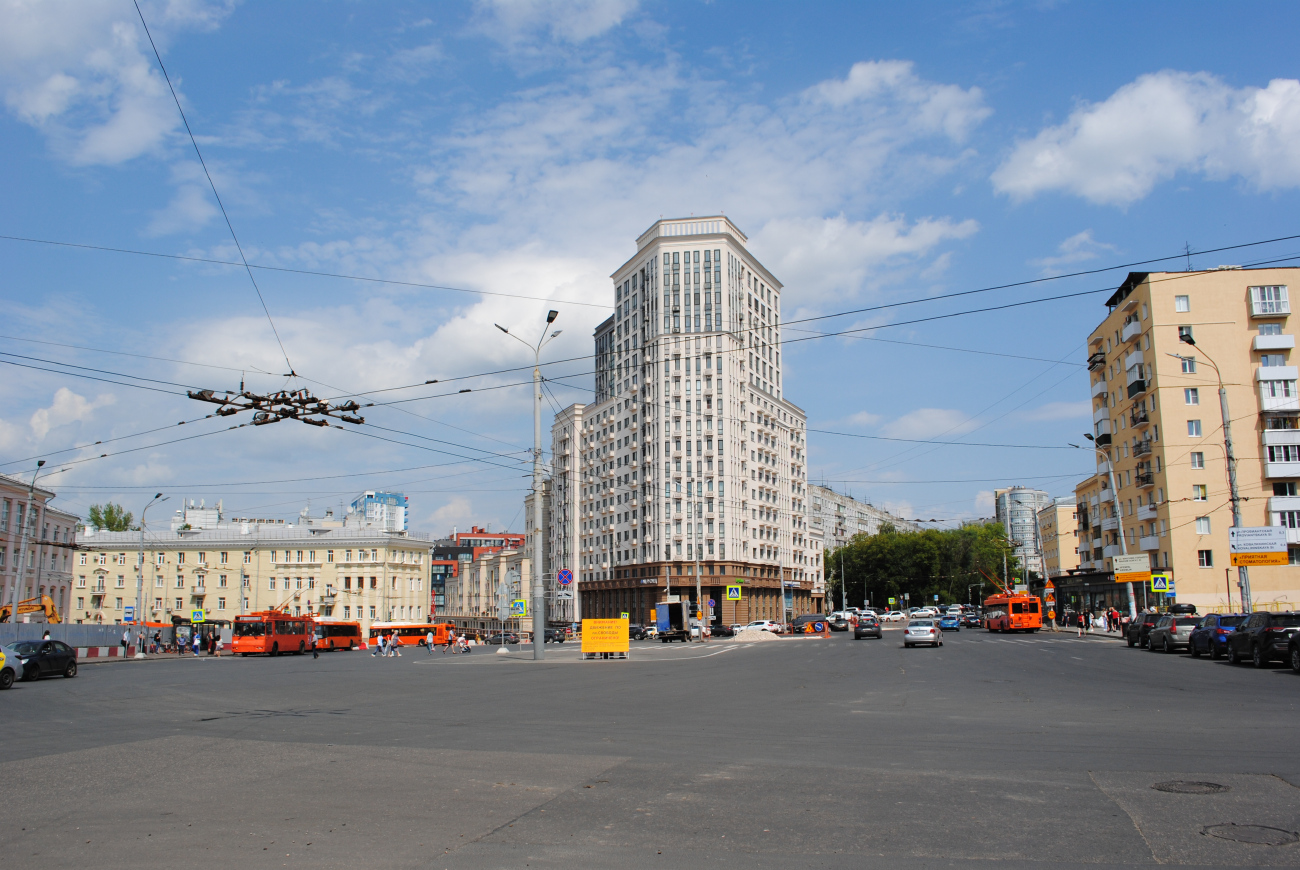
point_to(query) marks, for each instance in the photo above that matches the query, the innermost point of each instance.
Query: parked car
(1139, 629)
(894, 616)
(922, 631)
(33, 659)
(868, 626)
(971, 620)
(637, 631)
(764, 625)
(555, 635)
(949, 622)
(1292, 652)
(721, 631)
(508, 637)
(1263, 637)
(735, 627)
(840, 624)
(1171, 632)
(1211, 635)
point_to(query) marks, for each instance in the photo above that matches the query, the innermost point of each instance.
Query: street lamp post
(1243, 574)
(1119, 521)
(539, 592)
(139, 581)
(22, 563)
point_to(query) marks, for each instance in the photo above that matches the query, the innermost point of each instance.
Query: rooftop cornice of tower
(709, 225)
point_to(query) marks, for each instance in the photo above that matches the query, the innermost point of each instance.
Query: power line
(315, 273)
(950, 443)
(136, 355)
(101, 441)
(213, 185)
(89, 377)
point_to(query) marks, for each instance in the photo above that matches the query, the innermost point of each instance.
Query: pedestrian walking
(393, 645)
(126, 636)
(378, 646)
(314, 652)
(428, 642)
(1083, 621)
(198, 639)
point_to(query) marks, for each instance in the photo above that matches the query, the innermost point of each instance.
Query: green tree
(110, 517)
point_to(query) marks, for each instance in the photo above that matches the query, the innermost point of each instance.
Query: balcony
(1269, 307)
(1270, 398)
(1293, 536)
(1149, 543)
(1101, 414)
(1284, 503)
(1138, 419)
(1133, 359)
(1276, 470)
(1096, 361)
(198, 591)
(1109, 524)
(1277, 373)
(1099, 388)
(1131, 329)
(1147, 512)
(1275, 437)
(1145, 479)
(1110, 552)
(1137, 388)
(1142, 448)
(1274, 342)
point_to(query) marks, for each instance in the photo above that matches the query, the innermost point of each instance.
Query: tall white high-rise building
(691, 455)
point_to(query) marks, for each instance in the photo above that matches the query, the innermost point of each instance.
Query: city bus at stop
(271, 633)
(331, 635)
(1012, 613)
(411, 633)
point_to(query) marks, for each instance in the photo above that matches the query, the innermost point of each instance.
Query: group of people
(1108, 620)
(386, 646)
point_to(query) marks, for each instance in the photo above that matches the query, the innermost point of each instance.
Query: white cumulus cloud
(929, 423)
(67, 407)
(572, 21)
(1162, 124)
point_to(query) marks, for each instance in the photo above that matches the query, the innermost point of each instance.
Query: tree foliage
(110, 517)
(943, 562)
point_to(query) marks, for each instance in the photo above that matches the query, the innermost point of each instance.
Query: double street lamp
(539, 592)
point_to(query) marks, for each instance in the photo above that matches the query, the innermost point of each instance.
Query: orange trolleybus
(411, 633)
(337, 635)
(1012, 613)
(271, 632)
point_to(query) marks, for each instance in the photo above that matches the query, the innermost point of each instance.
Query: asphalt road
(990, 752)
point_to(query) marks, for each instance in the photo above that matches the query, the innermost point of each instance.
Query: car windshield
(250, 629)
(22, 648)
(1229, 621)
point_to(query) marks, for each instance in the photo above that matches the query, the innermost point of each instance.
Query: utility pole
(1243, 573)
(139, 582)
(539, 591)
(21, 564)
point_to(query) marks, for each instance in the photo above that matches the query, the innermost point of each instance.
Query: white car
(922, 631)
(894, 616)
(764, 625)
(925, 613)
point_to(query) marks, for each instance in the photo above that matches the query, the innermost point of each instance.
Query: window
(1198, 460)
(1272, 359)
(1284, 453)
(1202, 525)
(329, 555)
(1192, 396)
(1270, 329)
(180, 603)
(1200, 492)
(1184, 330)
(271, 583)
(221, 604)
(1189, 365)
(1278, 389)
(1205, 558)
(1290, 519)
(1270, 300)
(248, 557)
(1182, 303)
(1194, 428)
(221, 581)
(1285, 487)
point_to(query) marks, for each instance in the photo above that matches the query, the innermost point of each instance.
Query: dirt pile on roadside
(754, 635)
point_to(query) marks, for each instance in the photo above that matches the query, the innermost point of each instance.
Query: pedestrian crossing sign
(733, 593)
(1160, 583)
(519, 607)
(196, 616)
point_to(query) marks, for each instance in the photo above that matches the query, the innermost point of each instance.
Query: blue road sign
(128, 613)
(565, 577)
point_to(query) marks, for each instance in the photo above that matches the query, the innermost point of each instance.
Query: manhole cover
(1182, 786)
(1259, 835)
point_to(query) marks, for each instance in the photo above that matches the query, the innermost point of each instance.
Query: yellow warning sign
(605, 636)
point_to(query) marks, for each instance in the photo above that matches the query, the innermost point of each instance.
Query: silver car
(1172, 632)
(922, 631)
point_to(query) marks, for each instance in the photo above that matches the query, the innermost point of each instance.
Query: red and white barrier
(103, 652)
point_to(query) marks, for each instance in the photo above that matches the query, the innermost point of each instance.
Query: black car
(1263, 637)
(717, 629)
(42, 658)
(1139, 629)
(636, 631)
(499, 638)
(1211, 636)
(868, 626)
(1293, 652)
(555, 635)
(971, 620)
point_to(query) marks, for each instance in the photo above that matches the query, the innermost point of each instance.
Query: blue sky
(874, 154)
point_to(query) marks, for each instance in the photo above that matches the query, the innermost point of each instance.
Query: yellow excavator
(44, 604)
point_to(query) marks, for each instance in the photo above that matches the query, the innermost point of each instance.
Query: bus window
(250, 629)
(1033, 607)
(1017, 607)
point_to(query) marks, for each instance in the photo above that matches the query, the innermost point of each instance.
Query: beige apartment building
(46, 562)
(362, 574)
(472, 594)
(1157, 417)
(1058, 535)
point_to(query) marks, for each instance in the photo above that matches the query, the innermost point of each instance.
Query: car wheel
(1233, 656)
(1131, 642)
(1191, 648)
(1257, 656)
(31, 674)
(6, 679)
(1169, 647)
(70, 670)
(1215, 652)
(907, 646)
(1295, 661)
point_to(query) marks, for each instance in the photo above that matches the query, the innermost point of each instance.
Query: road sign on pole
(1258, 545)
(128, 613)
(196, 616)
(565, 577)
(733, 593)
(1132, 569)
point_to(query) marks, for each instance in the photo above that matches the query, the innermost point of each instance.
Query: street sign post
(1258, 545)
(519, 607)
(1132, 569)
(1159, 582)
(128, 613)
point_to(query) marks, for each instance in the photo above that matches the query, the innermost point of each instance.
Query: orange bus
(271, 632)
(411, 633)
(1012, 613)
(337, 635)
